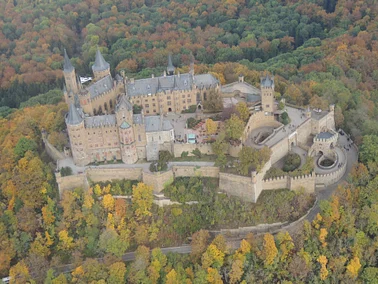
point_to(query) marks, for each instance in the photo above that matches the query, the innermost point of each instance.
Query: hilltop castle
(101, 123)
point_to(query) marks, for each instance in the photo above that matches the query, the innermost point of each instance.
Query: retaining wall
(236, 185)
(158, 180)
(104, 174)
(52, 151)
(190, 171)
(257, 120)
(71, 182)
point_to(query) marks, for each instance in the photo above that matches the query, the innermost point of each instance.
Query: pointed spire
(267, 81)
(73, 117)
(76, 101)
(67, 66)
(170, 67)
(100, 63)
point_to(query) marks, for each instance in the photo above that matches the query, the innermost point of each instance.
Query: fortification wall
(158, 180)
(236, 185)
(331, 178)
(233, 151)
(275, 183)
(52, 151)
(259, 178)
(104, 174)
(257, 120)
(190, 171)
(71, 182)
(306, 181)
(178, 148)
(279, 150)
(304, 132)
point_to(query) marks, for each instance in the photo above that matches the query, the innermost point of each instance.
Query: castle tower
(124, 116)
(71, 87)
(267, 94)
(170, 67)
(77, 134)
(100, 68)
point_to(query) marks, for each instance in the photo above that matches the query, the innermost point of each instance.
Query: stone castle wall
(236, 185)
(257, 120)
(71, 182)
(190, 171)
(52, 151)
(274, 183)
(279, 150)
(293, 183)
(158, 180)
(331, 178)
(104, 174)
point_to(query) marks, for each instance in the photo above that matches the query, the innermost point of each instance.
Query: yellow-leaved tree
(323, 270)
(269, 249)
(353, 267)
(142, 200)
(211, 126)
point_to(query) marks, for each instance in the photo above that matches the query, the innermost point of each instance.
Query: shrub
(196, 152)
(291, 162)
(191, 109)
(191, 122)
(184, 154)
(65, 171)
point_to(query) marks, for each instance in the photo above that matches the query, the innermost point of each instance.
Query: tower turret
(77, 134)
(124, 115)
(69, 78)
(267, 94)
(170, 67)
(100, 68)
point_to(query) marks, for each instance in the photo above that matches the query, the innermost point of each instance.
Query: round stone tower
(77, 134)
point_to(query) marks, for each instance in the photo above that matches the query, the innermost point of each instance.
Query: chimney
(241, 78)
(153, 76)
(165, 73)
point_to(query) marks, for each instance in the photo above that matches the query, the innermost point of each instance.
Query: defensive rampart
(104, 174)
(307, 182)
(158, 180)
(257, 120)
(190, 171)
(331, 178)
(236, 185)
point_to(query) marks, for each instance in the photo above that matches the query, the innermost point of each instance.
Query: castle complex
(101, 123)
(103, 126)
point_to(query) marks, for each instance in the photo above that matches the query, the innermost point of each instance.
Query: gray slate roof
(73, 117)
(267, 81)
(67, 65)
(100, 63)
(124, 103)
(175, 82)
(138, 118)
(100, 120)
(324, 135)
(157, 123)
(101, 86)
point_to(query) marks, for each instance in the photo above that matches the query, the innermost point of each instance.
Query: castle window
(189, 100)
(183, 96)
(204, 96)
(183, 101)
(153, 99)
(169, 97)
(147, 111)
(139, 138)
(169, 103)
(154, 110)
(153, 104)
(188, 95)
(145, 100)
(146, 105)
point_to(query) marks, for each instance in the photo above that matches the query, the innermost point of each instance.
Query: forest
(320, 51)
